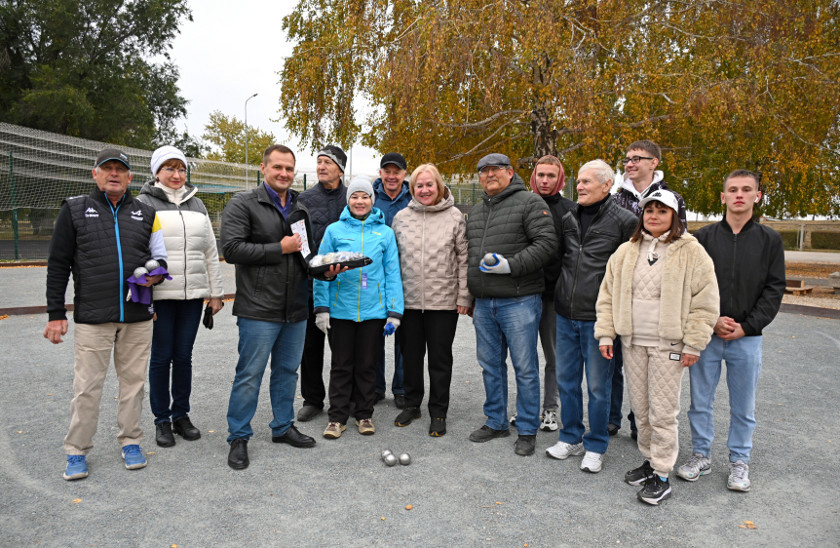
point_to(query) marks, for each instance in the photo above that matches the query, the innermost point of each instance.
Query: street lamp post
(246, 138)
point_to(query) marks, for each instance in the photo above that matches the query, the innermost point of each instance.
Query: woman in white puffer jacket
(431, 236)
(196, 276)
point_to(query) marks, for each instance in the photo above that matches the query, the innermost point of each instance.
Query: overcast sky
(232, 50)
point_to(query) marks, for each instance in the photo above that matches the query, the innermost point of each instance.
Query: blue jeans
(257, 340)
(172, 344)
(743, 366)
(397, 382)
(578, 354)
(502, 325)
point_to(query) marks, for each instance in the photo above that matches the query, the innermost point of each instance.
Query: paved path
(463, 494)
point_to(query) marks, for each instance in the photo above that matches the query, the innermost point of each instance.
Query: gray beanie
(335, 154)
(360, 184)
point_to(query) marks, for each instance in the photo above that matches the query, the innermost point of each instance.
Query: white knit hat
(360, 184)
(164, 153)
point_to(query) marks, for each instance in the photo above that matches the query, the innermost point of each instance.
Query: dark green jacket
(516, 224)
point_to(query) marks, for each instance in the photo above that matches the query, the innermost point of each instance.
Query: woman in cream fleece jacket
(431, 235)
(660, 296)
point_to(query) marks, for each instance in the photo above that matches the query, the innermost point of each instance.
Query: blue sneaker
(76, 467)
(133, 457)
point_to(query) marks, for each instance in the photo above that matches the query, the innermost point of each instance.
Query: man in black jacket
(325, 202)
(548, 180)
(266, 233)
(750, 269)
(591, 234)
(510, 237)
(102, 238)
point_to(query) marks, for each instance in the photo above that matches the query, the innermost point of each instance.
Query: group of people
(613, 285)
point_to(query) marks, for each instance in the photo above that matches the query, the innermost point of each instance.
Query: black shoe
(238, 456)
(308, 412)
(399, 401)
(634, 434)
(638, 476)
(525, 445)
(655, 491)
(613, 429)
(163, 436)
(437, 428)
(407, 415)
(378, 397)
(485, 433)
(294, 438)
(184, 428)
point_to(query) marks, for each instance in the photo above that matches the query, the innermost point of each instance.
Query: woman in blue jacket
(353, 308)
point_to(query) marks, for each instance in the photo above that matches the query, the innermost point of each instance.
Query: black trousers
(312, 364)
(355, 349)
(433, 330)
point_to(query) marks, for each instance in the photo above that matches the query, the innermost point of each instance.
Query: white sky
(232, 50)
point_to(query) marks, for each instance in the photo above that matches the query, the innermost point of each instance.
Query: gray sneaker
(562, 450)
(696, 466)
(739, 476)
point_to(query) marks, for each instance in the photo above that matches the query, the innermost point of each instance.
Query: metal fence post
(14, 204)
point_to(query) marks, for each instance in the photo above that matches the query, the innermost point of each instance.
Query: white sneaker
(696, 466)
(739, 476)
(549, 421)
(562, 450)
(592, 462)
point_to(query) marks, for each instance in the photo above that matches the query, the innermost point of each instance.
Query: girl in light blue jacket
(353, 308)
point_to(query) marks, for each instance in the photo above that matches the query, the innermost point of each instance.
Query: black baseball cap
(112, 154)
(393, 158)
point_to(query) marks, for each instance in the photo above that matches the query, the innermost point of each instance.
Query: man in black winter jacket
(750, 269)
(325, 202)
(510, 237)
(591, 234)
(102, 238)
(266, 233)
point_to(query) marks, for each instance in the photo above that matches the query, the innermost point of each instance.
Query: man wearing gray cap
(510, 236)
(101, 238)
(325, 202)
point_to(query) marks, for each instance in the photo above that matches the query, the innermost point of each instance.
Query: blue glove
(390, 326)
(493, 263)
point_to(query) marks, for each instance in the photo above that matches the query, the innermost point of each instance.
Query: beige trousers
(654, 382)
(131, 344)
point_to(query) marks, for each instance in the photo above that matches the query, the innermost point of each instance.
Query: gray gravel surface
(464, 494)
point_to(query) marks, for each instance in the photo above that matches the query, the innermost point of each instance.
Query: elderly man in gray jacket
(510, 237)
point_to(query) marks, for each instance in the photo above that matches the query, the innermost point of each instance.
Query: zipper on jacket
(733, 270)
(423, 264)
(184, 226)
(119, 255)
(359, 301)
(483, 236)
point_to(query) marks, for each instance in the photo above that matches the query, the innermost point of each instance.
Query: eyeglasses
(635, 159)
(490, 170)
(171, 170)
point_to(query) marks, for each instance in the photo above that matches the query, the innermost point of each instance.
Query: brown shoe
(334, 430)
(366, 427)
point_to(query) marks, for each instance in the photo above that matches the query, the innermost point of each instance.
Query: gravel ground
(465, 494)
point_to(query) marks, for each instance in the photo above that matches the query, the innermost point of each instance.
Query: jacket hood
(561, 182)
(447, 202)
(375, 217)
(627, 184)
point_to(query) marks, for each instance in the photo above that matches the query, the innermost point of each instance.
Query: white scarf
(175, 195)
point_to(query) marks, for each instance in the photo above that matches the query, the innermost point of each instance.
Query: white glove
(390, 326)
(322, 321)
(498, 264)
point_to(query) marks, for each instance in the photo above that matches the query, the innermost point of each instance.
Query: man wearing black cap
(392, 196)
(101, 238)
(325, 202)
(510, 235)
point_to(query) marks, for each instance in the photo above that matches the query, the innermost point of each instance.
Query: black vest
(110, 244)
